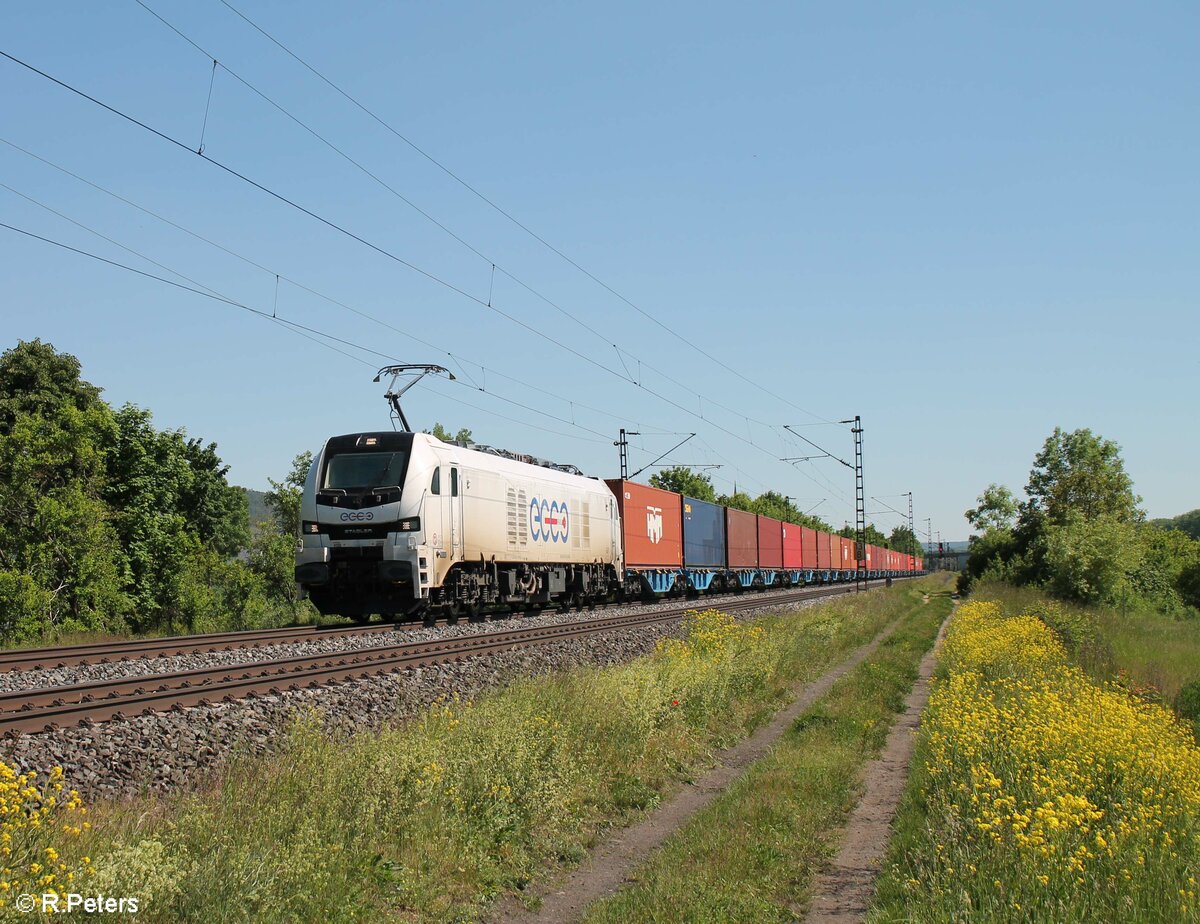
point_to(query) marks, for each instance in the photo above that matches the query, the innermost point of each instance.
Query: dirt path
(843, 893)
(610, 865)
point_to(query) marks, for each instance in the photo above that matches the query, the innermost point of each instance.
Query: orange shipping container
(651, 523)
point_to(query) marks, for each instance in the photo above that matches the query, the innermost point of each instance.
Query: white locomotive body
(395, 523)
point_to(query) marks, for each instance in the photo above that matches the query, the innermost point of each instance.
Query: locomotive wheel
(474, 613)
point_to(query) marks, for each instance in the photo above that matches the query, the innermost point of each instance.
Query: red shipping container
(823, 551)
(810, 547)
(651, 523)
(770, 543)
(793, 554)
(741, 538)
(847, 554)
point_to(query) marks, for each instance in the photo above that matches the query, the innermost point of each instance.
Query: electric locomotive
(398, 523)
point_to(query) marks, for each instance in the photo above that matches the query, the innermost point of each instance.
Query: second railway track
(35, 710)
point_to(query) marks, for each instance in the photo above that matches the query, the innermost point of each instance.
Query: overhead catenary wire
(326, 339)
(458, 358)
(267, 270)
(231, 171)
(179, 285)
(308, 333)
(375, 247)
(489, 261)
(508, 215)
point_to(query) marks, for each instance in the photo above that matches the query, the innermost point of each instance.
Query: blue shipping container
(703, 534)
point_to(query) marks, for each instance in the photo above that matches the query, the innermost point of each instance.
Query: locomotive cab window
(454, 482)
(365, 470)
(435, 486)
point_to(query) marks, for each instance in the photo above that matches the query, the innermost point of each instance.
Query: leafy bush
(1187, 704)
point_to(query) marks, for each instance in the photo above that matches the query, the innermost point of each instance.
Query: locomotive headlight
(309, 528)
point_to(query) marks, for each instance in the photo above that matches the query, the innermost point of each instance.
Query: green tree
(284, 497)
(1089, 558)
(738, 500)
(871, 534)
(170, 498)
(146, 474)
(441, 433)
(272, 551)
(61, 562)
(217, 594)
(773, 504)
(996, 508)
(903, 540)
(1188, 585)
(1188, 523)
(103, 518)
(683, 480)
(36, 379)
(214, 509)
(1079, 473)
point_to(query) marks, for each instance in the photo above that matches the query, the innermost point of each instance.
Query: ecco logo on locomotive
(548, 521)
(357, 516)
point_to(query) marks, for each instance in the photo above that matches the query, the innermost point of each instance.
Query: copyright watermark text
(51, 903)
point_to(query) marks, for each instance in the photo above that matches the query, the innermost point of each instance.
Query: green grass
(430, 820)
(752, 854)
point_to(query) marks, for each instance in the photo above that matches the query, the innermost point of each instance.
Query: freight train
(401, 523)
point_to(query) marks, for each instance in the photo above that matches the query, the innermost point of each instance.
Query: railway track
(34, 710)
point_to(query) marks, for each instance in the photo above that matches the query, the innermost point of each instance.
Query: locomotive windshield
(365, 470)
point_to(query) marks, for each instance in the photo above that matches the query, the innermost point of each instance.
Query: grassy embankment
(1039, 792)
(752, 854)
(431, 819)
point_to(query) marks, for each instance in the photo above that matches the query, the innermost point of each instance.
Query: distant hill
(259, 510)
(1185, 522)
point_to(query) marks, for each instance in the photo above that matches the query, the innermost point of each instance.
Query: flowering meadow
(1041, 794)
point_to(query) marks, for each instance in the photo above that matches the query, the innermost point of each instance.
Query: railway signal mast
(860, 508)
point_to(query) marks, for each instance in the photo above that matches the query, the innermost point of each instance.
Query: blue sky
(967, 224)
